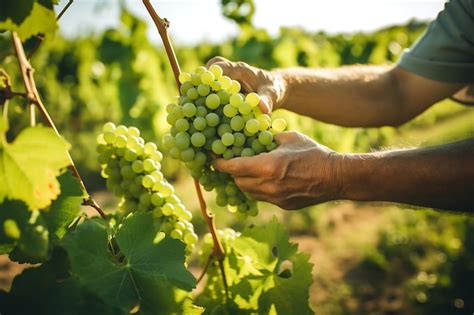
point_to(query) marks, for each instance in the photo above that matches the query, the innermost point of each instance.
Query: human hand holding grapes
(269, 85)
(300, 172)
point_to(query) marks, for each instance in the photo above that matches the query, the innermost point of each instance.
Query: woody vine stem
(218, 253)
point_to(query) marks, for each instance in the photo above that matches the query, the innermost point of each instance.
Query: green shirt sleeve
(445, 52)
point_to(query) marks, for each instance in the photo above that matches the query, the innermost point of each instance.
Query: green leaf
(28, 17)
(58, 294)
(66, 207)
(29, 166)
(143, 273)
(265, 274)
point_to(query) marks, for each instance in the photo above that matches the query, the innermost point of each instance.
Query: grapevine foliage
(265, 274)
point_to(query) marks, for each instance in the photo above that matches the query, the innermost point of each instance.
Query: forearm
(351, 96)
(439, 177)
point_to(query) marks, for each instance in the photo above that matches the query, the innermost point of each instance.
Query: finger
(266, 93)
(240, 166)
(248, 184)
(285, 137)
(217, 59)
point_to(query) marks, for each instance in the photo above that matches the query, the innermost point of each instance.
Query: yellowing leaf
(29, 167)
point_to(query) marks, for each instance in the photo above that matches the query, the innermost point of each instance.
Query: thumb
(286, 137)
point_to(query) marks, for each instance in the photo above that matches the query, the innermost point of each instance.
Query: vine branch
(32, 95)
(162, 24)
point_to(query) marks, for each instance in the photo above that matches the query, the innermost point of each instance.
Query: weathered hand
(269, 85)
(299, 173)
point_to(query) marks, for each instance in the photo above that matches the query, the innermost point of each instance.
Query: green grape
(150, 148)
(168, 141)
(265, 121)
(252, 99)
(230, 111)
(203, 89)
(245, 108)
(182, 125)
(218, 147)
(167, 209)
(257, 147)
(216, 71)
(200, 123)
(252, 126)
(157, 199)
(177, 234)
(184, 77)
(279, 124)
(200, 101)
(207, 77)
(196, 79)
(109, 137)
(189, 110)
(148, 181)
(130, 155)
(223, 96)
(227, 139)
(198, 139)
(109, 127)
(133, 131)
(265, 137)
(239, 139)
(225, 82)
(182, 140)
(213, 101)
(187, 154)
(272, 146)
(228, 154)
(137, 166)
(190, 238)
(234, 88)
(201, 111)
(237, 123)
(120, 141)
(121, 130)
(192, 94)
(236, 100)
(148, 165)
(170, 107)
(200, 158)
(11, 230)
(183, 89)
(212, 119)
(216, 86)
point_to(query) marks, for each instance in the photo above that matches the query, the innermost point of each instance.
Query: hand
(269, 85)
(299, 173)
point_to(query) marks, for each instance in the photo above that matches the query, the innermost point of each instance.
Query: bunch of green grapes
(213, 119)
(132, 170)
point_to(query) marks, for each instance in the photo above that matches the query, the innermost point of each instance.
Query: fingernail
(264, 104)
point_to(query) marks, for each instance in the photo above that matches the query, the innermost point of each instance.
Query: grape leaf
(146, 273)
(59, 293)
(28, 17)
(265, 273)
(29, 166)
(66, 207)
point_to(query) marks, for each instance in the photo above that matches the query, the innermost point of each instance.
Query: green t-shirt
(445, 52)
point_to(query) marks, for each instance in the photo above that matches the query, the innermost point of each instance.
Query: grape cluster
(212, 119)
(132, 169)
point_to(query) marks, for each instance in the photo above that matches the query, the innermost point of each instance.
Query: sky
(193, 21)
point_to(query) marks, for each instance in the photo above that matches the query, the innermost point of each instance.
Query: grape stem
(162, 24)
(33, 97)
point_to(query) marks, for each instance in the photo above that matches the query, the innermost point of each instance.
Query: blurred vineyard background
(370, 258)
